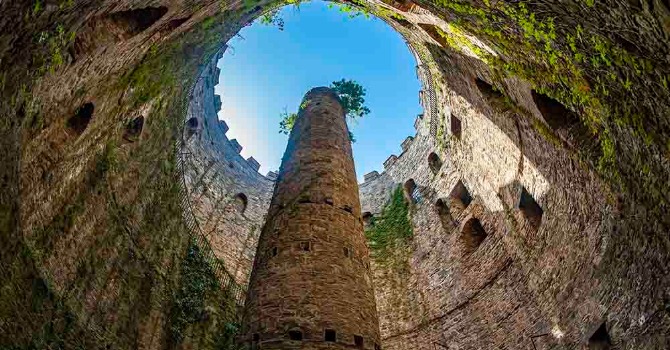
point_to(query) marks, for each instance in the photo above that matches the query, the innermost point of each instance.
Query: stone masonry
(311, 286)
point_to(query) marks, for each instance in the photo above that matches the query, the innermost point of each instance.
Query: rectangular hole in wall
(358, 341)
(456, 127)
(600, 339)
(305, 246)
(330, 335)
(530, 209)
(295, 335)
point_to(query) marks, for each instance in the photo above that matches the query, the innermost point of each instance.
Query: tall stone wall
(541, 278)
(97, 253)
(228, 195)
(311, 286)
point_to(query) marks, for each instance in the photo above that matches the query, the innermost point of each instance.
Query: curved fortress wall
(515, 242)
(311, 285)
(561, 255)
(229, 198)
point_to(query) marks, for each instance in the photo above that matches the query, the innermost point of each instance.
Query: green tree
(272, 18)
(352, 96)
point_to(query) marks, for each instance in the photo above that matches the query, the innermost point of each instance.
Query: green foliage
(272, 18)
(287, 122)
(197, 279)
(588, 72)
(392, 229)
(37, 7)
(151, 78)
(352, 96)
(53, 45)
(351, 11)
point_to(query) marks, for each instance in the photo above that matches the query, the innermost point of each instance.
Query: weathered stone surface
(311, 272)
(93, 225)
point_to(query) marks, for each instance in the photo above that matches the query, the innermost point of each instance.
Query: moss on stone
(392, 229)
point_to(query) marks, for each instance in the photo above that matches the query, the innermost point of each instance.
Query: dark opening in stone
(305, 246)
(459, 199)
(403, 22)
(358, 341)
(488, 90)
(192, 126)
(530, 209)
(346, 252)
(434, 162)
(600, 340)
(192, 123)
(367, 218)
(330, 335)
(175, 23)
(443, 213)
(402, 5)
(410, 189)
(434, 33)
(554, 112)
(134, 129)
(256, 337)
(295, 335)
(241, 202)
(456, 127)
(472, 235)
(133, 22)
(275, 251)
(82, 117)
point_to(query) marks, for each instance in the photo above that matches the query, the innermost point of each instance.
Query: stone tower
(310, 286)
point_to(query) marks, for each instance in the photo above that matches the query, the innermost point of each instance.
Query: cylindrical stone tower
(310, 286)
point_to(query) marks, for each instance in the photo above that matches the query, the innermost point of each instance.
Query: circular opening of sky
(267, 69)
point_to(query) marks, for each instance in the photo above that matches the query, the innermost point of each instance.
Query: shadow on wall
(492, 103)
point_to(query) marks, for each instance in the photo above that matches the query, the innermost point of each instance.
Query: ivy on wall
(391, 230)
(197, 278)
(200, 307)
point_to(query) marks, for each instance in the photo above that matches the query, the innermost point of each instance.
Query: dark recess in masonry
(329, 335)
(459, 199)
(82, 117)
(305, 246)
(367, 218)
(600, 339)
(434, 162)
(136, 21)
(358, 341)
(409, 189)
(488, 90)
(134, 129)
(530, 209)
(295, 335)
(456, 126)
(241, 202)
(472, 235)
(554, 112)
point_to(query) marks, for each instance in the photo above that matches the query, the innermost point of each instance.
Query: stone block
(236, 145)
(370, 176)
(254, 163)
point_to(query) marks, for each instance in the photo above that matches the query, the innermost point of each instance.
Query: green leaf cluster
(392, 229)
(352, 97)
(197, 280)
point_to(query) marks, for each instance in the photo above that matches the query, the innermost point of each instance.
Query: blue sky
(266, 69)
